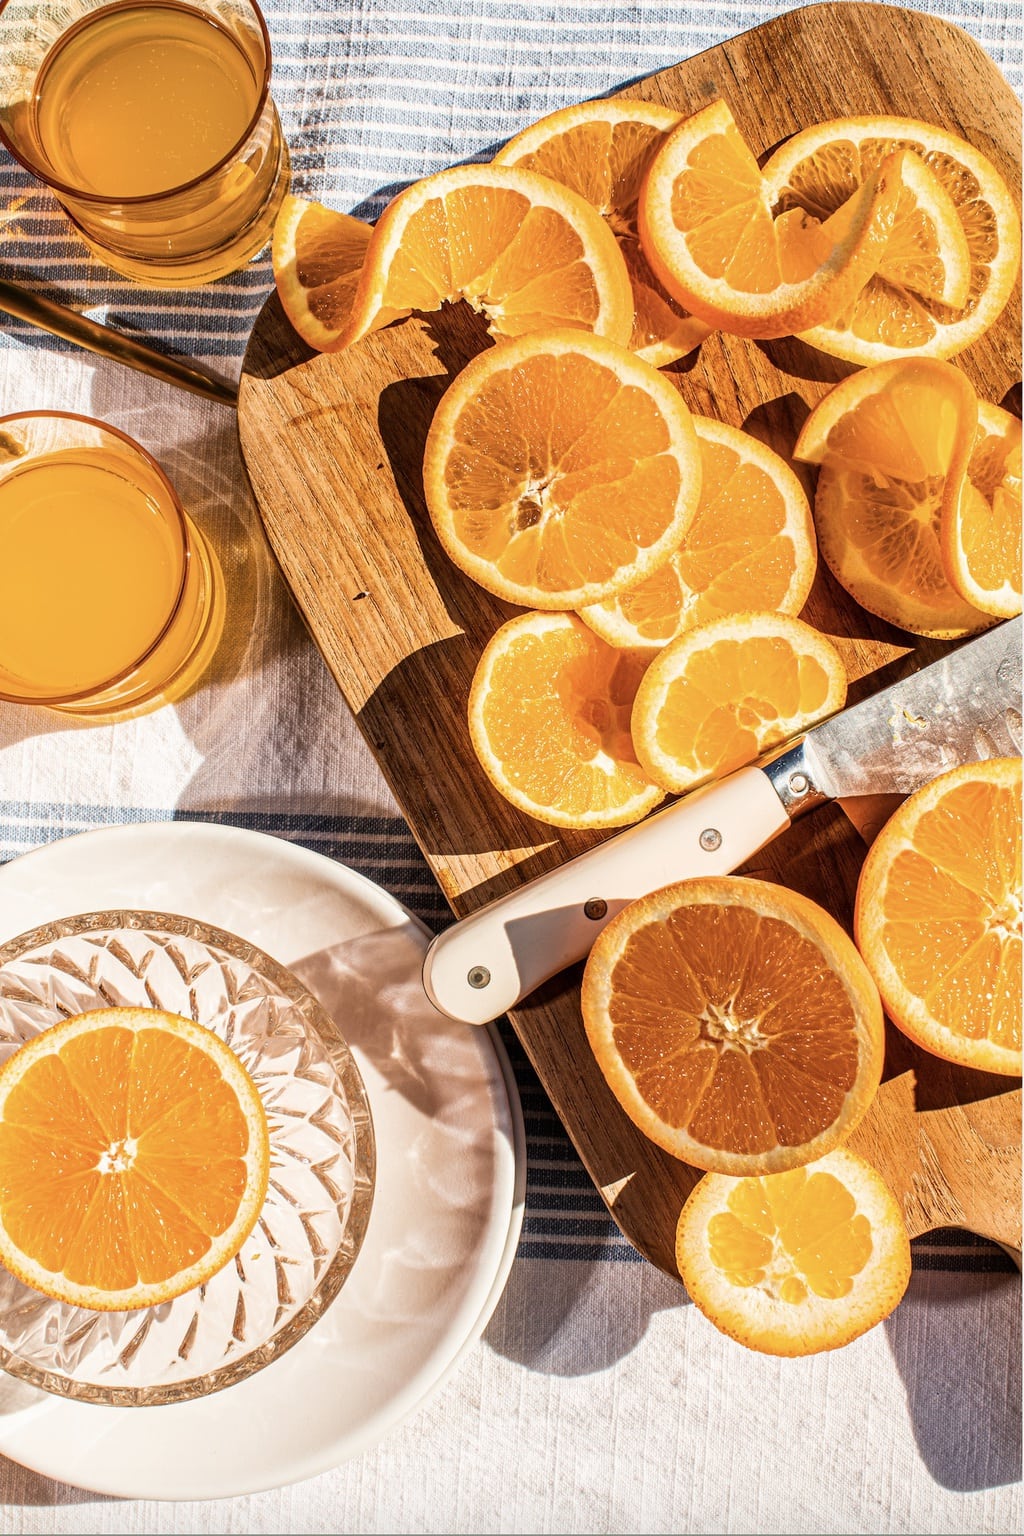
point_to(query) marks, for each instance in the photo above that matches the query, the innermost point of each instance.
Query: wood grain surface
(333, 447)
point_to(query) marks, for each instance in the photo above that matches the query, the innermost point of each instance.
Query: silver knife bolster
(799, 779)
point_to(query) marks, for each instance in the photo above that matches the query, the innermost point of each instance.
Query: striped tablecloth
(595, 1401)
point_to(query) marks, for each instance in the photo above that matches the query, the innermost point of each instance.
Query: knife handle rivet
(710, 839)
(479, 976)
(798, 783)
(595, 909)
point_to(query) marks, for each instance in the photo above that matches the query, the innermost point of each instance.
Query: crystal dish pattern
(306, 1239)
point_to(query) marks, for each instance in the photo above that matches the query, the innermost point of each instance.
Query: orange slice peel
(795, 1263)
(708, 227)
(724, 692)
(751, 545)
(602, 150)
(938, 915)
(559, 468)
(735, 1023)
(134, 1158)
(549, 714)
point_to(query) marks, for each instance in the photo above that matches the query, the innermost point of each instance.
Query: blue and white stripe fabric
(374, 94)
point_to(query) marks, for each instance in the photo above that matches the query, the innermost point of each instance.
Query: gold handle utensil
(56, 318)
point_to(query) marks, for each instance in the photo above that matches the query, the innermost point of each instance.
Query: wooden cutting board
(333, 446)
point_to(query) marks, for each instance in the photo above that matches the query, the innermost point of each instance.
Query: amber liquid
(98, 584)
(141, 99)
(147, 118)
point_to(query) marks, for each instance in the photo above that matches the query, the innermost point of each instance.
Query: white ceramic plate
(451, 1170)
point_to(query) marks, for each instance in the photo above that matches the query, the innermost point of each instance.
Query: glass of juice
(111, 600)
(152, 123)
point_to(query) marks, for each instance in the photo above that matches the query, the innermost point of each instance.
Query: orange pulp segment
(317, 256)
(751, 545)
(980, 527)
(915, 303)
(549, 720)
(938, 915)
(894, 443)
(559, 468)
(134, 1158)
(526, 252)
(735, 1023)
(602, 150)
(708, 228)
(726, 691)
(795, 1263)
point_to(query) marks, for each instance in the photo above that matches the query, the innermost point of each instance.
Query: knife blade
(962, 708)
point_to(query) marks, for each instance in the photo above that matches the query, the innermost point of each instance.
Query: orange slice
(751, 545)
(559, 468)
(709, 231)
(938, 915)
(795, 1263)
(980, 528)
(602, 150)
(894, 443)
(725, 692)
(523, 250)
(134, 1158)
(549, 721)
(317, 255)
(735, 1023)
(915, 303)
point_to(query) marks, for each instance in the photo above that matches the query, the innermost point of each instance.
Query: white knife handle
(481, 966)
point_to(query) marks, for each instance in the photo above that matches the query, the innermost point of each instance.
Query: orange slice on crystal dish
(134, 1158)
(317, 255)
(980, 529)
(559, 468)
(894, 443)
(602, 150)
(709, 230)
(915, 303)
(549, 720)
(795, 1263)
(735, 1023)
(938, 915)
(751, 545)
(723, 693)
(527, 253)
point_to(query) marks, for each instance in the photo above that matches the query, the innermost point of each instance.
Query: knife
(962, 708)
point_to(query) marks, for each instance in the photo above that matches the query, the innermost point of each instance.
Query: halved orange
(549, 714)
(708, 227)
(735, 1023)
(795, 1263)
(915, 304)
(317, 256)
(723, 693)
(134, 1158)
(938, 915)
(525, 251)
(559, 468)
(602, 149)
(980, 528)
(894, 443)
(750, 545)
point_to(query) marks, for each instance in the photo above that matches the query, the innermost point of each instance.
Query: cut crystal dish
(322, 1158)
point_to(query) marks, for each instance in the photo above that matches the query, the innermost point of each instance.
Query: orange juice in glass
(152, 122)
(111, 601)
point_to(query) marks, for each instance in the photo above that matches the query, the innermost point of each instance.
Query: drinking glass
(152, 123)
(111, 600)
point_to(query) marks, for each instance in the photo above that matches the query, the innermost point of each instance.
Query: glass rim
(186, 558)
(103, 199)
